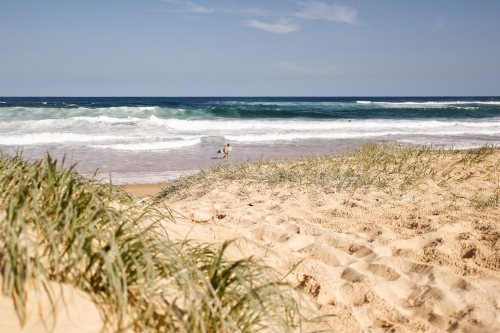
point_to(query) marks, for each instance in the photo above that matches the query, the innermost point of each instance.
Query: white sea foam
(126, 108)
(158, 121)
(88, 111)
(356, 135)
(144, 146)
(225, 125)
(41, 138)
(432, 104)
(197, 128)
(255, 130)
(302, 125)
(103, 124)
(304, 136)
(106, 119)
(347, 104)
(280, 103)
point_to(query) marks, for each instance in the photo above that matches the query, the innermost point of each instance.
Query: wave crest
(145, 146)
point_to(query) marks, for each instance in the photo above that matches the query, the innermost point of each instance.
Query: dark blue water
(282, 107)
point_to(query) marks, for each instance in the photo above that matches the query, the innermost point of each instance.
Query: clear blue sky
(249, 48)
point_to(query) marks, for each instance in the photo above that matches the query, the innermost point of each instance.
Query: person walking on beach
(226, 150)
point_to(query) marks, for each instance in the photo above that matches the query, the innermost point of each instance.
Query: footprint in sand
(272, 233)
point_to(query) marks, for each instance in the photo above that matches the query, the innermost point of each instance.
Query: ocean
(151, 140)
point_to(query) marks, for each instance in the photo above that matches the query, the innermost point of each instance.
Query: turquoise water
(144, 140)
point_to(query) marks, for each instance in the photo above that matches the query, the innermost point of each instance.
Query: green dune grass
(388, 167)
(57, 226)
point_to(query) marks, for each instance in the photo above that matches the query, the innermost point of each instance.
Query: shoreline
(146, 184)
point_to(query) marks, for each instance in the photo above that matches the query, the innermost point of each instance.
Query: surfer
(226, 150)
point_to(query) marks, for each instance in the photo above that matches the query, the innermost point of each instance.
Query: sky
(249, 48)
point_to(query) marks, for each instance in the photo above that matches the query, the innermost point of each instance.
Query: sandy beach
(142, 190)
(418, 260)
(385, 239)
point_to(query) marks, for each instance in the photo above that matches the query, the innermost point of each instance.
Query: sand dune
(419, 258)
(59, 308)
(424, 260)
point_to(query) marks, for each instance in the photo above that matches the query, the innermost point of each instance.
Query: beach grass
(390, 167)
(57, 226)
